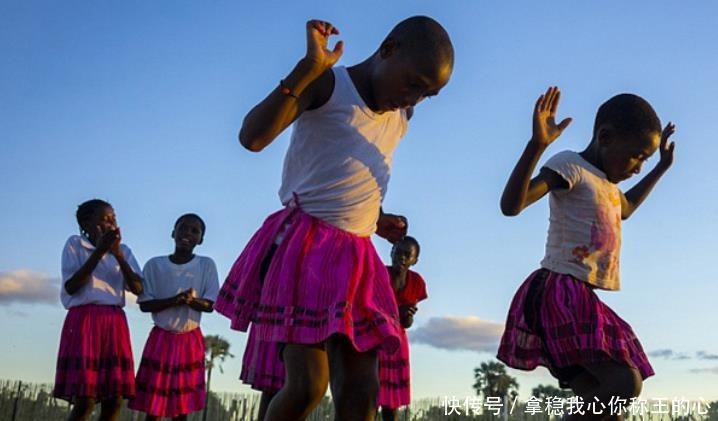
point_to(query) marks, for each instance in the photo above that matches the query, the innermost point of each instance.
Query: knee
(84, 407)
(112, 405)
(363, 386)
(307, 392)
(628, 384)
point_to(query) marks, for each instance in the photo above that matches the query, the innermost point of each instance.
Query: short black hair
(628, 114)
(422, 36)
(195, 216)
(87, 210)
(408, 239)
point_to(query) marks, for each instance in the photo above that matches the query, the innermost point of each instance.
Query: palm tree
(215, 347)
(493, 381)
(546, 391)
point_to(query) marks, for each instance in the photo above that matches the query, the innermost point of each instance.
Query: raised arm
(633, 198)
(308, 85)
(521, 190)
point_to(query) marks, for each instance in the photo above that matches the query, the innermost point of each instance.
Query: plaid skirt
(170, 381)
(95, 355)
(559, 322)
(321, 281)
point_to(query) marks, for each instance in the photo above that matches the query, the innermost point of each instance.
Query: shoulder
(566, 165)
(416, 278)
(156, 262)
(321, 89)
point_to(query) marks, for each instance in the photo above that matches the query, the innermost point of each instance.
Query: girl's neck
(360, 74)
(591, 155)
(180, 257)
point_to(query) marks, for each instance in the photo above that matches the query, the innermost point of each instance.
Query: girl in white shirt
(178, 289)
(556, 320)
(95, 357)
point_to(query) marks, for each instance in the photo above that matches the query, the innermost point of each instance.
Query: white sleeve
(70, 260)
(148, 275)
(564, 164)
(211, 281)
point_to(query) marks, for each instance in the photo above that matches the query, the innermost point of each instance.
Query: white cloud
(706, 356)
(459, 333)
(713, 370)
(26, 286)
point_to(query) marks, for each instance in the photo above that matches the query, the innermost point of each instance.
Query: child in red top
(409, 288)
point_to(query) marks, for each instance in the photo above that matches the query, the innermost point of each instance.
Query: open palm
(318, 33)
(545, 129)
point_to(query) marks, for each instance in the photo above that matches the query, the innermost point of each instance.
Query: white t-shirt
(339, 159)
(106, 285)
(164, 279)
(584, 234)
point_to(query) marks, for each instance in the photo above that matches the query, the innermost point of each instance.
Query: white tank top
(339, 159)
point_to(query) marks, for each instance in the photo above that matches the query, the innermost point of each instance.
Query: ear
(605, 134)
(388, 47)
(173, 233)
(201, 239)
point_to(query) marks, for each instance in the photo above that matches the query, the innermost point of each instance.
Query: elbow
(145, 308)
(507, 210)
(250, 142)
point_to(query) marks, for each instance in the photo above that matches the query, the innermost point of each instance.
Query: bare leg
(82, 409)
(388, 414)
(307, 372)
(180, 418)
(110, 409)
(151, 418)
(264, 404)
(354, 380)
(604, 381)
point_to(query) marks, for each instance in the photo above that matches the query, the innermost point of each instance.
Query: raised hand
(391, 227)
(545, 129)
(318, 54)
(666, 148)
(108, 240)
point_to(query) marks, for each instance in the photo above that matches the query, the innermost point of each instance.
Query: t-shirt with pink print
(584, 234)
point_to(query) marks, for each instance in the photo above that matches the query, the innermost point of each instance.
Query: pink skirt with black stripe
(394, 377)
(321, 281)
(262, 365)
(95, 356)
(170, 381)
(559, 322)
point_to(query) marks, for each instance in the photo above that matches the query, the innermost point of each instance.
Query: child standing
(409, 288)
(94, 361)
(178, 289)
(556, 319)
(326, 297)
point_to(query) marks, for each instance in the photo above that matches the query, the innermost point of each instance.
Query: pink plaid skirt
(262, 365)
(170, 381)
(95, 356)
(559, 322)
(394, 377)
(320, 281)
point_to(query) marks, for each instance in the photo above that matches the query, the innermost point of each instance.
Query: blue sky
(139, 103)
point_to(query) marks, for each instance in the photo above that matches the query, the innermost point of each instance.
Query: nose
(637, 168)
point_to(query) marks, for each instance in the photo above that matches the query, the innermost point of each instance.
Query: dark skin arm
(311, 81)
(391, 227)
(82, 276)
(154, 306)
(406, 315)
(133, 280)
(522, 191)
(202, 304)
(633, 198)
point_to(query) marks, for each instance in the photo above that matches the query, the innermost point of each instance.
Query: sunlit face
(399, 81)
(102, 221)
(404, 255)
(622, 155)
(187, 234)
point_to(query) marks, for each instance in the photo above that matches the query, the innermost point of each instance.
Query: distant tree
(215, 348)
(491, 380)
(544, 391)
